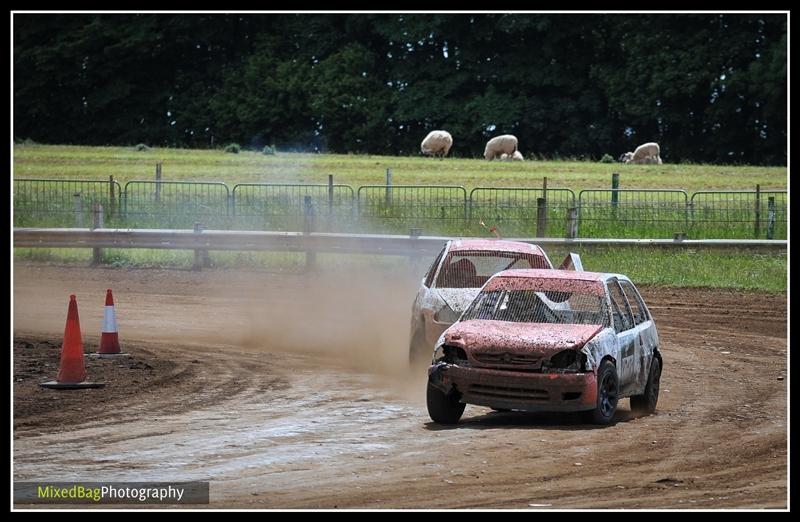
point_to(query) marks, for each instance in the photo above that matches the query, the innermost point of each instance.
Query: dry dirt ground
(292, 391)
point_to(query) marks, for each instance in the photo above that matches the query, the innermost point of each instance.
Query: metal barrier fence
(446, 210)
(398, 208)
(59, 202)
(632, 213)
(738, 214)
(278, 206)
(177, 204)
(515, 211)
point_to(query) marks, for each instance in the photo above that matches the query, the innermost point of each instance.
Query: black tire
(607, 394)
(646, 403)
(418, 352)
(444, 408)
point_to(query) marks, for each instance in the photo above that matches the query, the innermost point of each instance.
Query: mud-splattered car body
(454, 279)
(548, 340)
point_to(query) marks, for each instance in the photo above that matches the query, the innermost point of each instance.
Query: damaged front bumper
(527, 391)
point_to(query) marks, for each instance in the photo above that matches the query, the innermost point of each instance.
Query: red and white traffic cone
(72, 372)
(109, 337)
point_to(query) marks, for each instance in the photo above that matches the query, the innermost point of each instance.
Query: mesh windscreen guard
(472, 269)
(533, 306)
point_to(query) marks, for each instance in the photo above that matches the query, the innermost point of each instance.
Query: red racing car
(548, 340)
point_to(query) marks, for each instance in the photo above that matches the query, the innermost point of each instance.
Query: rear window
(532, 306)
(472, 269)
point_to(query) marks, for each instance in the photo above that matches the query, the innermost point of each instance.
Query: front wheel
(646, 403)
(444, 408)
(607, 394)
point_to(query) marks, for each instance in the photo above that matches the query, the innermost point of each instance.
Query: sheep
(437, 143)
(652, 160)
(498, 145)
(517, 156)
(648, 153)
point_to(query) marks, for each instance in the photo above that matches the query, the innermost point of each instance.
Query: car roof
(499, 245)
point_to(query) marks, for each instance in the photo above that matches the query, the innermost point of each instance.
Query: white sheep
(437, 143)
(517, 156)
(648, 153)
(499, 145)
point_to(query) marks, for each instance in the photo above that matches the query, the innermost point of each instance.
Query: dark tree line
(707, 87)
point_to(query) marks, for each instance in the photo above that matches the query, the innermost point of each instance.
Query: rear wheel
(646, 403)
(607, 394)
(444, 408)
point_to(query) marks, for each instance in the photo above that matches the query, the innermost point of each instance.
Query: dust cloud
(353, 316)
(358, 319)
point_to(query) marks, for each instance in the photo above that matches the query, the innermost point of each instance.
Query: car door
(645, 339)
(624, 326)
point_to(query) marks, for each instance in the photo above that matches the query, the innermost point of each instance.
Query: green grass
(733, 268)
(702, 268)
(125, 164)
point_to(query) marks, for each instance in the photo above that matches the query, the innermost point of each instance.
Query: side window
(434, 266)
(622, 312)
(637, 307)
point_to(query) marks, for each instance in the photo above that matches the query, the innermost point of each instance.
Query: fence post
(200, 254)
(158, 182)
(758, 211)
(111, 200)
(614, 194)
(78, 209)
(771, 217)
(330, 196)
(544, 188)
(572, 223)
(541, 217)
(388, 187)
(97, 222)
(308, 227)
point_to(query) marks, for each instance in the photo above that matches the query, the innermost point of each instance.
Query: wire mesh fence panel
(270, 206)
(629, 213)
(399, 208)
(176, 204)
(64, 203)
(514, 212)
(738, 214)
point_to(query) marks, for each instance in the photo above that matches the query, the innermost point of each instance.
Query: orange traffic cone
(72, 372)
(109, 337)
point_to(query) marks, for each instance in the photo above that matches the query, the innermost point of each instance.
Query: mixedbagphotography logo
(111, 492)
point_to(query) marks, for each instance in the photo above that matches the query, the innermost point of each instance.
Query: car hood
(503, 336)
(458, 298)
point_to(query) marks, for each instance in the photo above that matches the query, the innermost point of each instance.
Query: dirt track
(292, 392)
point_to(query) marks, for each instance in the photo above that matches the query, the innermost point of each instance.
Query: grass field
(125, 164)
